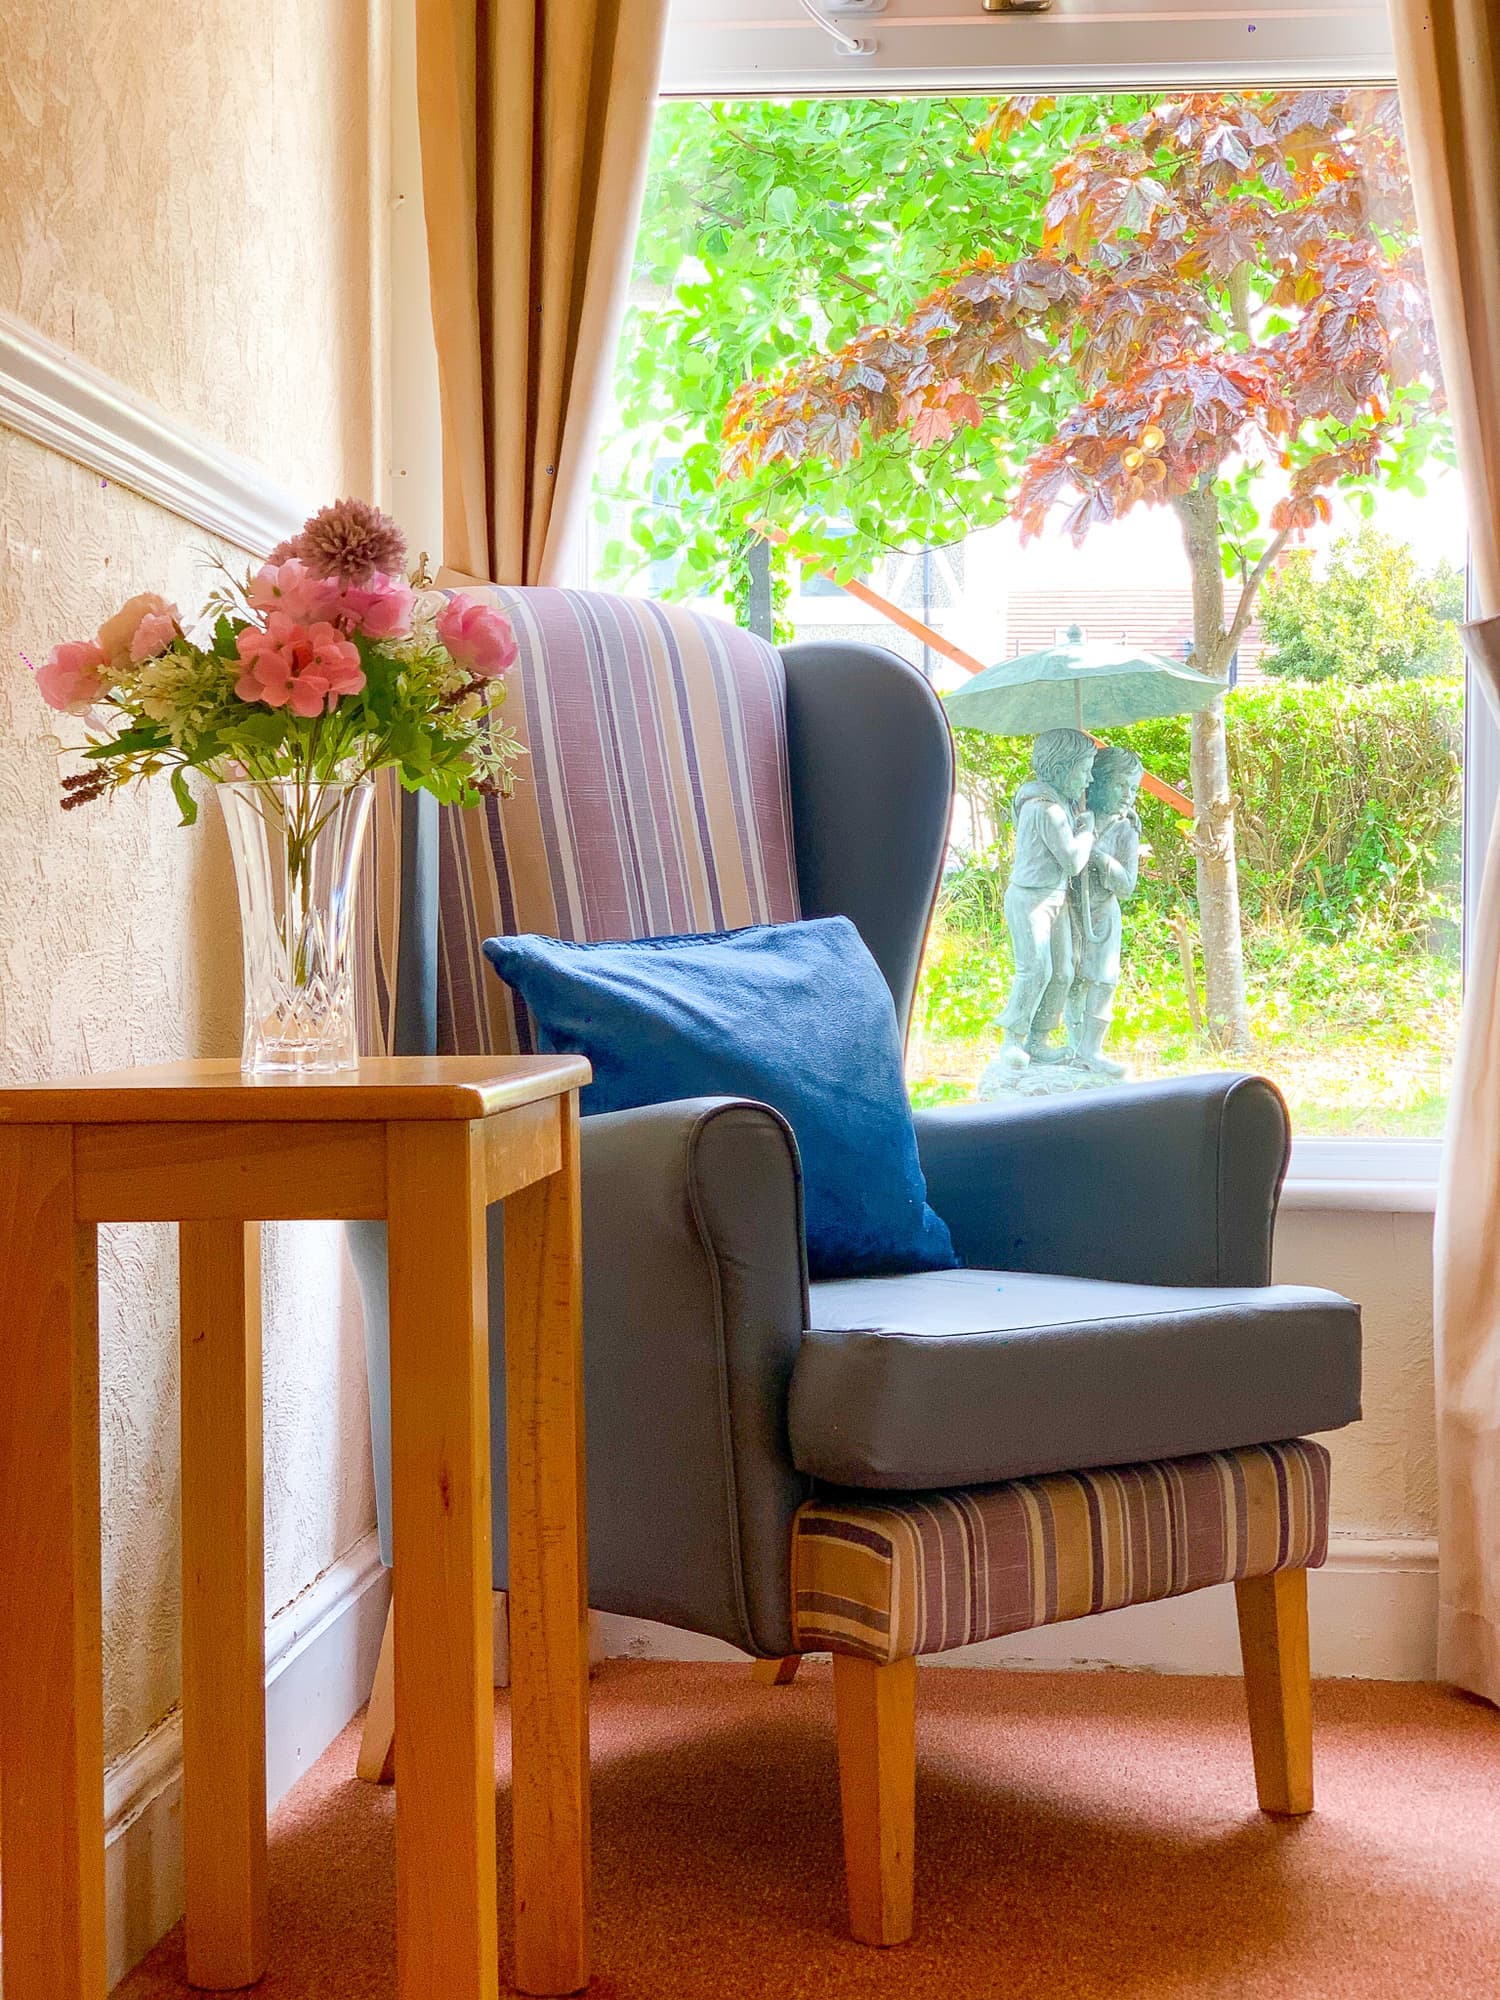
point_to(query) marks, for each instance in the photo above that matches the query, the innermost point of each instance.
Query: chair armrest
(1157, 1183)
(694, 1302)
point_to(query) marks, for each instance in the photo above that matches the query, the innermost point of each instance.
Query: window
(1145, 268)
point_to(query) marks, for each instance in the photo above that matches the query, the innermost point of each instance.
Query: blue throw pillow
(797, 1016)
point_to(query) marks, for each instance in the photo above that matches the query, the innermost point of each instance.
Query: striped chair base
(880, 1578)
(891, 1575)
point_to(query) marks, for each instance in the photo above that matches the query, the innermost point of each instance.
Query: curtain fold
(535, 120)
(1448, 65)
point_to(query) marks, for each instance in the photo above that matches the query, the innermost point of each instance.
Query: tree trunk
(1228, 1019)
(760, 611)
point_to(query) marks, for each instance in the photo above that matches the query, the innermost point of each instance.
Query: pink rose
(381, 608)
(69, 678)
(301, 667)
(117, 634)
(478, 636)
(154, 634)
(291, 587)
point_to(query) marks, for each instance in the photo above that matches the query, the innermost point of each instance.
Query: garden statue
(1106, 881)
(1054, 839)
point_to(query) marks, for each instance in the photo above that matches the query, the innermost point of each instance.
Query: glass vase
(296, 849)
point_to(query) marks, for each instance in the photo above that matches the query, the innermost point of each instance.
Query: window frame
(717, 48)
(770, 48)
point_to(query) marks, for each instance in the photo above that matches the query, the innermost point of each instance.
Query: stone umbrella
(1078, 685)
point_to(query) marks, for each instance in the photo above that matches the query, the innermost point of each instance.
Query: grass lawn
(1359, 1034)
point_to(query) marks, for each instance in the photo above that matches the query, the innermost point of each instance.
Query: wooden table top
(215, 1092)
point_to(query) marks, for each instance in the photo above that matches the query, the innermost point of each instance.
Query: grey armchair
(1101, 1408)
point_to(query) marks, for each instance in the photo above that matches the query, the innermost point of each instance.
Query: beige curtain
(1448, 61)
(535, 118)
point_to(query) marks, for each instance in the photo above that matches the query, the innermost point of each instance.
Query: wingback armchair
(1108, 1404)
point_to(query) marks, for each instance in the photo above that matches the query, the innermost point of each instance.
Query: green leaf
(263, 731)
(187, 805)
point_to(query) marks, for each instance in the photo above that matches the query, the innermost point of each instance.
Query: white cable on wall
(849, 44)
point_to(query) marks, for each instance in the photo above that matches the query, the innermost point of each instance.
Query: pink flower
(380, 608)
(301, 667)
(69, 678)
(117, 634)
(478, 636)
(349, 542)
(154, 634)
(291, 587)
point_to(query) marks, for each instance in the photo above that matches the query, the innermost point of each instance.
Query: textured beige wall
(1385, 1468)
(188, 205)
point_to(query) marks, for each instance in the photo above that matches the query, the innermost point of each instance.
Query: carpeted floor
(1078, 1836)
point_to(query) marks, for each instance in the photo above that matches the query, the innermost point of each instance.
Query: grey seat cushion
(959, 1378)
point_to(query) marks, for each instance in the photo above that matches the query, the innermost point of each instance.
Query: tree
(768, 229)
(1219, 308)
(1372, 615)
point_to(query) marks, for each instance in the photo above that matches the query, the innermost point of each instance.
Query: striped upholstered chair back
(653, 799)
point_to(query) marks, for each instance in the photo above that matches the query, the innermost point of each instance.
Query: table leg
(223, 1605)
(548, 1575)
(440, 1517)
(51, 1656)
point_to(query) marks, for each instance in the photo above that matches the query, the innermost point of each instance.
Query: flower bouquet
(296, 685)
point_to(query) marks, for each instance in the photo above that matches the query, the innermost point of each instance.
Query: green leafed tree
(770, 230)
(1211, 303)
(1371, 614)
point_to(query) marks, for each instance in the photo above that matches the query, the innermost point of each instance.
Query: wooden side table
(424, 1143)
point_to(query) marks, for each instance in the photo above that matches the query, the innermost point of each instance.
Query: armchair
(1109, 1404)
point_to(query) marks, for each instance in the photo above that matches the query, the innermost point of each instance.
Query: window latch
(1016, 6)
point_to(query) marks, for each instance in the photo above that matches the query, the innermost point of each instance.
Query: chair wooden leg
(776, 1673)
(875, 1706)
(1278, 1688)
(377, 1747)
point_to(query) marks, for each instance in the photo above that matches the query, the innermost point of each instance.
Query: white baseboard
(1372, 1608)
(320, 1659)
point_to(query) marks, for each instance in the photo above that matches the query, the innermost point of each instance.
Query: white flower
(177, 688)
(424, 614)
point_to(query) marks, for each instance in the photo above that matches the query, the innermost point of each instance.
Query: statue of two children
(1078, 843)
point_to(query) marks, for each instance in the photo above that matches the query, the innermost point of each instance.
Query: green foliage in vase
(323, 665)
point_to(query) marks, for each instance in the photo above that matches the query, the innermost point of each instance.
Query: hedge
(1348, 809)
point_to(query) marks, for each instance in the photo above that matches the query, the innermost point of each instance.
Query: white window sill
(1380, 1176)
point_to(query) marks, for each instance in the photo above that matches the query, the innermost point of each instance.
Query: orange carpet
(1078, 1836)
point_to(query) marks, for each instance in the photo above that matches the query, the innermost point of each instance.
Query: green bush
(1348, 808)
(1347, 803)
(1372, 615)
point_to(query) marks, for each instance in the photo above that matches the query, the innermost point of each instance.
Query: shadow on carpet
(1078, 1836)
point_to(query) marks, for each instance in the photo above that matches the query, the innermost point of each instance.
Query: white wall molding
(1372, 1197)
(1372, 1607)
(63, 403)
(320, 1660)
(1385, 1176)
